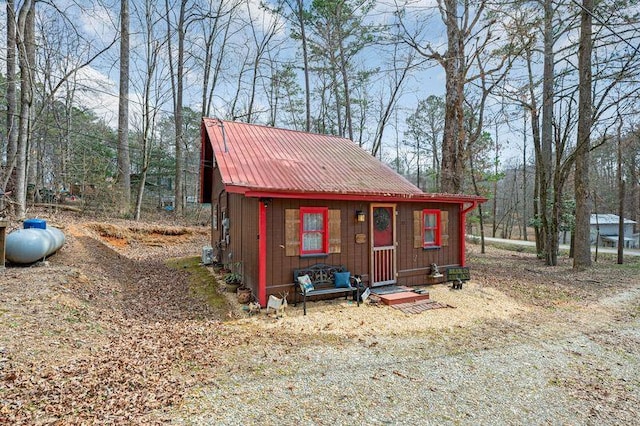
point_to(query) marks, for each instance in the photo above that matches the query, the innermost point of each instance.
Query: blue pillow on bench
(342, 279)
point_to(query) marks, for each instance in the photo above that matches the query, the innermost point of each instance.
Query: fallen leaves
(145, 338)
(145, 368)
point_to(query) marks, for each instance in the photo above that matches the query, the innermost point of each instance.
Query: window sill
(431, 248)
(310, 256)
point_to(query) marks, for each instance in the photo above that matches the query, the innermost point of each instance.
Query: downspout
(463, 226)
(262, 253)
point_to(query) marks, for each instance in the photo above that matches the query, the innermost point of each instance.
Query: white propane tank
(33, 244)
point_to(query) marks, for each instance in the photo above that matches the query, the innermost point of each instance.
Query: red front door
(383, 252)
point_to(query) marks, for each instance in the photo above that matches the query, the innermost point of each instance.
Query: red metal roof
(266, 161)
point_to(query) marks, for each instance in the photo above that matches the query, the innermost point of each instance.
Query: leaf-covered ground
(110, 331)
(106, 331)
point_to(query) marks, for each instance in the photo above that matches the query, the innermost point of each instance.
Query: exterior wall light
(360, 216)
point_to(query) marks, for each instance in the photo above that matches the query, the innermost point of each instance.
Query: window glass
(314, 230)
(313, 222)
(429, 237)
(430, 228)
(429, 220)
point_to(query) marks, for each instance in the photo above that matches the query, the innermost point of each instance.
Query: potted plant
(233, 278)
(244, 294)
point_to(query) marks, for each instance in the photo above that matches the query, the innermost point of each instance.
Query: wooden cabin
(283, 199)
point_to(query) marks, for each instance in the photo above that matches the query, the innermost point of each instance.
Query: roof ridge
(281, 129)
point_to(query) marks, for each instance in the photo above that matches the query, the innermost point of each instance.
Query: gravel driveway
(568, 368)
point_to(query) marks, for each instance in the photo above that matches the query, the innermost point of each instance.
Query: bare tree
(582, 239)
(337, 34)
(469, 36)
(25, 42)
(424, 134)
(215, 22)
(397, 76)
(152, 82)
(176, 67)
(11, 96)
(45, 71)
(262, 34)
(124, 163)
(298, 19)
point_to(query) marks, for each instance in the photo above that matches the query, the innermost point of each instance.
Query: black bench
(322, 278)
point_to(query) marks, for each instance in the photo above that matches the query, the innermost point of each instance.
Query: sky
(99, 25)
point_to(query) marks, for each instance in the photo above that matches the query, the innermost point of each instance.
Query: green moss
(201, 282)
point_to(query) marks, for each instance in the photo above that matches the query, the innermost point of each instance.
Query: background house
(283, 199)
(604, 231)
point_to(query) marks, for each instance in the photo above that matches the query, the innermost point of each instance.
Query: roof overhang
(472, 200)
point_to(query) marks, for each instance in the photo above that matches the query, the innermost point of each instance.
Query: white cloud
(264, 21)
(97, 21)
(99, 93)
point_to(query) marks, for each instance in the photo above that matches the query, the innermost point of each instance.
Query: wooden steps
(402, 297)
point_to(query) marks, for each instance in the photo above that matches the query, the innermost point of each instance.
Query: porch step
(403, 297)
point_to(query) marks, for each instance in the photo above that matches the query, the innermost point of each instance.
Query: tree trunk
(212, 27)
(582, 248)
(12, 108)
(305, 64)
(418, 160)
(338, 100)
(347, 94)
(525, 237)
(537, 229)
(33, 145)
(25, 39)
(453, 135)
(620, 180)
(124, 164)
(546, 137)
(148, 116)
(66, 159)
(494, 204)
(553, 222)
(537, 145)
(477, 192)
(621, 222)
(177, 85)
(388, 108)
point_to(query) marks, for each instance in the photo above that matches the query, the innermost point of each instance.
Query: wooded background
(533, 104)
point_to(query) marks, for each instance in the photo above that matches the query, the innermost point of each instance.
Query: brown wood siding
(414, 262)
(280, 266)
(248, 247)
(233, 252)
(243, 236)
(218, 202)
(206, 169)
